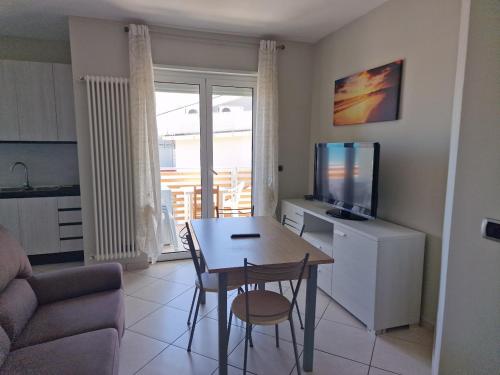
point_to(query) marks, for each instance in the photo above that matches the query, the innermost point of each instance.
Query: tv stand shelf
(377, 274)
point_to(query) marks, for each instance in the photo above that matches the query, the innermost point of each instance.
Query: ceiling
(299, 20)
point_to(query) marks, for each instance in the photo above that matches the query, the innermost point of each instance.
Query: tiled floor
(157, 307)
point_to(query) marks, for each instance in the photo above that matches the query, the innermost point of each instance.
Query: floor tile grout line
(152, 359)
(341, 356)
(383, 369)
(345, 324)
(144, 317)
(373, 350)
(152, 312)
(162, 303)
(386, 335)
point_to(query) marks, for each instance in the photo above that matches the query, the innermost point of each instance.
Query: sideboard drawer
(293, 213)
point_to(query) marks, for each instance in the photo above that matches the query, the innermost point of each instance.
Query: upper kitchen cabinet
(65, 111)
(36, 102)
(9, 129)
(36, 105)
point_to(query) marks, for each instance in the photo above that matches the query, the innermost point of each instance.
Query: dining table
(223, 255)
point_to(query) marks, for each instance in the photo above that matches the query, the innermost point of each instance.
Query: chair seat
(211, 282)
(266, 307)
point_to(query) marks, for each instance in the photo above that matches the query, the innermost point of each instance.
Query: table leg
(307, 363)
(202, 267)
(222, 306)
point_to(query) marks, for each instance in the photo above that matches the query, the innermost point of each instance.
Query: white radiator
(109, 120)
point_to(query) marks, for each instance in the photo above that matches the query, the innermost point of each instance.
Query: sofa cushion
(73, 316)
(17, 304)
(13, 260)
(76, 281)
(89, 353)
(4, 346)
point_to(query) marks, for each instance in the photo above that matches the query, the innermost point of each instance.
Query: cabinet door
(9, 125)
(354, 273)
(65, 109)
(9, 216)
(325, 278)
(36, 101)
(39, 225)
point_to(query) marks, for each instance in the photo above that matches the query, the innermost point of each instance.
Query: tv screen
(346, 175)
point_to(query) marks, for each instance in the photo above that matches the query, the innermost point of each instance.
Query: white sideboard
(377, 274)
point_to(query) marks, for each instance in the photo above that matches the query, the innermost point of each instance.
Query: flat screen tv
(346, 176)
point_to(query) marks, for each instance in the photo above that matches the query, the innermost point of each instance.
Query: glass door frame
(206, 80)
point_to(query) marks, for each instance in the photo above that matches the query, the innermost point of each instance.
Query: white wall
(101, 47)
(468, 329)
(414, 149)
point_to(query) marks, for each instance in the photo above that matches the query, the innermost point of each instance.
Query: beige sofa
(64, 322)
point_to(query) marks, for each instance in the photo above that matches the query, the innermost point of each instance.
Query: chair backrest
(286, 221)
(255, 274)
(196, 200)
(222, 212)
(188, 244)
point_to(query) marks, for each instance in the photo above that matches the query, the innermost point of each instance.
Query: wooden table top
(276, 245)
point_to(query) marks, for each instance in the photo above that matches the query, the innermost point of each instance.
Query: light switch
(490, 229)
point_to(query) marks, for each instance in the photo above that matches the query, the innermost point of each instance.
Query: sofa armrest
(75, 282)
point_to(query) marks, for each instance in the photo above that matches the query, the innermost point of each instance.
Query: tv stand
(377, 274)
(341, 214)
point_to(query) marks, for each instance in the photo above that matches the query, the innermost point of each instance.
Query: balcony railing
(233, 187)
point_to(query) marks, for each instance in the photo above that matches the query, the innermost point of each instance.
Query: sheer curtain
(144, 134)
(266, 132)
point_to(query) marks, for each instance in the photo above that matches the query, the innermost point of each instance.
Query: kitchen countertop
(40, 191)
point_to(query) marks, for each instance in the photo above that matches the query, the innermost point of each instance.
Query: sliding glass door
(205, 126)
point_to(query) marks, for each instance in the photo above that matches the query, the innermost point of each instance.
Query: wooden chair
(223, 212)
(204, 281)
(287, 222)
(264, 307)
(196, 208)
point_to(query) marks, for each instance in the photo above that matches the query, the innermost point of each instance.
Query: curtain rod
(279, 46)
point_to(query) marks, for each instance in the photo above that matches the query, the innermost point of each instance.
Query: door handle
(339, 233)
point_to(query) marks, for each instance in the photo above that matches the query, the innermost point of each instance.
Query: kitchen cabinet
(35, 101)
(9, 129)
(44, 225)
(65, 112)
(39, 223)
(9, 216)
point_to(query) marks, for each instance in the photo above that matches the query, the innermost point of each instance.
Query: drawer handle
(339, 233)
(299, 214)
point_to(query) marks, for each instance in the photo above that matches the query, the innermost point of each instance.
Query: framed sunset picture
(369, 96)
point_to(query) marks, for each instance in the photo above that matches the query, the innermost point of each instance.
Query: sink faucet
(26, 184)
